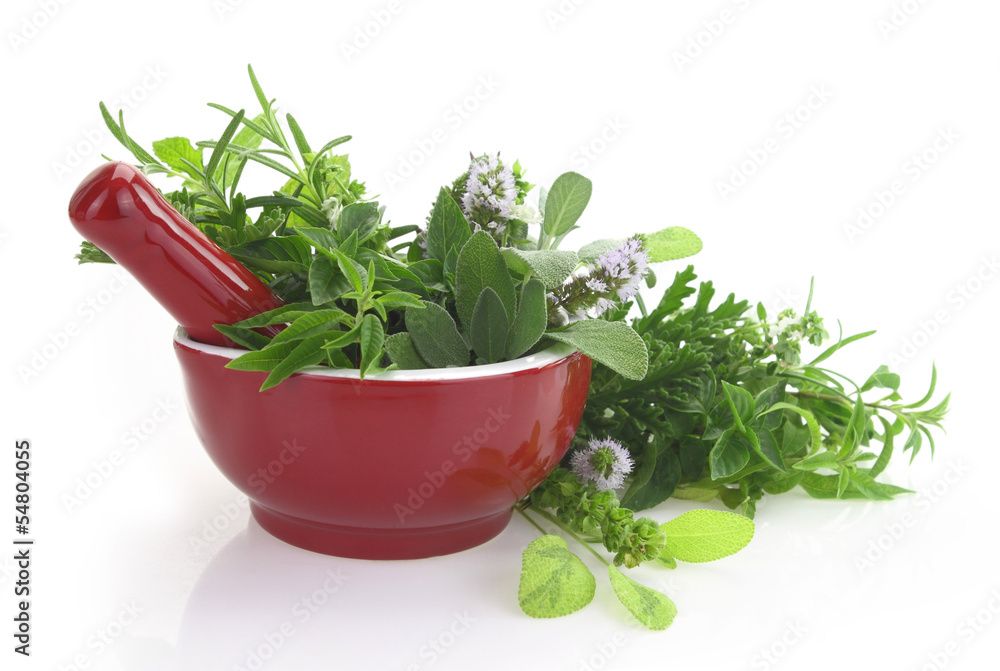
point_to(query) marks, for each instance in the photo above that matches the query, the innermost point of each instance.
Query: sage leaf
(489, 327)
(402, 352)
(551, 266)
(436, 336)
(591, 252)
(651, 608)
(670, 244)
(554, 581)
(701, 536)
(613, 344)
(532, 317)
(480, 264)
(566, 201)
(448, 228)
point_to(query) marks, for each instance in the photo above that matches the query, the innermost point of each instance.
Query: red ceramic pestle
(121, 212)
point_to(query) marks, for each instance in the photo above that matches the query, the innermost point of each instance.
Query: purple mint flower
(627, 264)
(615, 276)
(490, 194)
(605, 462)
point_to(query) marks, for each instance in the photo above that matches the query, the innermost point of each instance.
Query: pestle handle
(200, 284)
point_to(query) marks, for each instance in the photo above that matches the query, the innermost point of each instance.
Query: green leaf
(352, 270)
(308, 352)
(298, 135)
(856, 428)
(310, 324)
(284, 254)
(554, 582)
(320, 238)
(531, 321)
(402, 352)
(670, 244)
(551, 266)
(372, 340)
(650, 607)
(566, 201)
(435, 336)
(660, 486)
(481, 265)
(816, 461)
(489, 327)
(263, 360)
(707, 535)
(593, 251)
(730, 454)
(766, 446)
(243, 336)
(447, 228)
(613, 344)
(282, 315)
(175, 150)
(815, 436)
(261, 98)
(223, 142)
(362, 218)
(830, 351)
(400, 299)
(325, 282)
(882, 378)
(740, 403)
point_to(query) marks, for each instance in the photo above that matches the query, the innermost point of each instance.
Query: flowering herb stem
(565, 528)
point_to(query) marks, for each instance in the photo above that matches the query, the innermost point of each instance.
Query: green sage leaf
(447, 229)
(567, 200)
(707, 535)
(553, 267)
(532, 316)
(670, 244)
(435, 336)
(489, 327)
(402, 352)
(554, 582)
(613, 344)
(651, 608)
(480, 265)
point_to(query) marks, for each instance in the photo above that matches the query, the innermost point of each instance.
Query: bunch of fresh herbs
(687, 400)
(484, 282)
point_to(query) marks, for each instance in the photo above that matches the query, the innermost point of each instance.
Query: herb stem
(842, 401)
(531, 521)
(642, 305)
(552, 518)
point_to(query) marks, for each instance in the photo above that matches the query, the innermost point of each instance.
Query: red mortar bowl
(401, 465)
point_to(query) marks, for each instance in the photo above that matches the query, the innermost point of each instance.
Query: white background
(164, 534)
